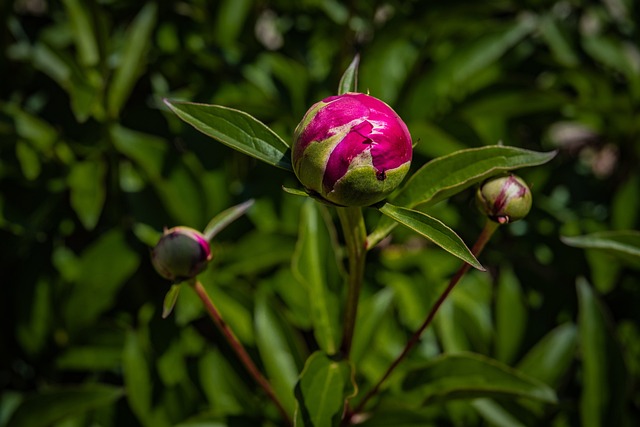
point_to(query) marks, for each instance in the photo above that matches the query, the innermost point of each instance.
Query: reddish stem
(239, 349)
(487, 232)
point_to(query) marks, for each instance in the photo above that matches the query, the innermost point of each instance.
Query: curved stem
(489, 228)
(355, 235)
(238, 348)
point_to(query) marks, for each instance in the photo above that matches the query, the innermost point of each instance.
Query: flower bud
(351, 150)
(181, 254)
(504, 199)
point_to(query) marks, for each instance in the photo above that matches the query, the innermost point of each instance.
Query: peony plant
(352, 152)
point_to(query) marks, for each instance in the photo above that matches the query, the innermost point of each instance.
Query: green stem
(489, 228)
(238, 348)
(355, 235)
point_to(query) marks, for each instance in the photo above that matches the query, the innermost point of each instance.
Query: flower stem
(489, 228)
(355, 235)
(238, 348)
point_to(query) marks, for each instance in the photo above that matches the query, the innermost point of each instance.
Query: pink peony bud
(504, 199)
(351, 150)
(181, 254)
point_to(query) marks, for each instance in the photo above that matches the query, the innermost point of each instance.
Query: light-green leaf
(312, 263)
(236, 129)
(434, 230)
(623, 244)
(604, 376)
(349, 80)
(170, 300)
(471, 375)
(132, 59)
(83, 31)
(322, 390)
(448, 175)
(86, 182)
(226, 217)
(50, 406)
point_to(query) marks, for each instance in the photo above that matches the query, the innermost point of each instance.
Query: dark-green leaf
(51, 406)
(471, 375)
(434, 230)
(236, 129)
(324, 387)
(448, 175)
(349, 80)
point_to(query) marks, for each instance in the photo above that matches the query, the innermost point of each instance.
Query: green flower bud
(504, 199)
(181, 254)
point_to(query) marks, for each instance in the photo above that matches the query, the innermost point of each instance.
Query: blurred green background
(93, 166)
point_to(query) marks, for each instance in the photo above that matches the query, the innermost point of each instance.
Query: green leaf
(471, 375)
(170, 300)
(349, 80)
(226, 217)
(50, 406)
(511, 316)
(448, 175)
(137, 378)
(433, 230)
(312, 263)
(624, 244)
(604, 376)
(550, 358)
(322, 390)
(83, 31)
(275, 350)
(371, 313)
(133, 58)
(237, 130)
(86, 182)
(103, 268)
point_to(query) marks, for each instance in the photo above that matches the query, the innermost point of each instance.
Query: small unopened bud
(351, 150)
(504, 199)
(181, 254)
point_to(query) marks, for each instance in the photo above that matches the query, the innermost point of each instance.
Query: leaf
(136, 43)
(83, 31)
(511, 316)
(275, 351)
(50, 406)
(550, 358)
(433, 230)
(312, 262)
(170, 300)
(448, 175)
(624, 244)
(371, 313)
(604, 376)
(86, 182)
(470, 375)
(237, 130)
(103, 268)
(349, 80)
(137, 379)
(226, 217)
(322, 390)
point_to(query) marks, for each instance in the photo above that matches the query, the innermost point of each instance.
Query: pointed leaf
(349, 80)
(170, 300)
(83, 31)
(448, 175)
(237, 130)
(133, 58)
(471, 375)
(433, 230)
(86, 182)
(324, 387)
(226, 217)
(624, 244)
(604, 376)
(550, 358)
(312, 262)
(50, 406)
